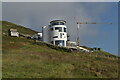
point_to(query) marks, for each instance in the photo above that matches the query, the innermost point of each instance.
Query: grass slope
(22, 58)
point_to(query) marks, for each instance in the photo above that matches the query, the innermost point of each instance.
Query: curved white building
(57, 33)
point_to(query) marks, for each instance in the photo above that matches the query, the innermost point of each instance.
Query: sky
(35, 15)
(59, 0)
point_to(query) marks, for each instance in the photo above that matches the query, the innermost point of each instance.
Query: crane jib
(91, 23)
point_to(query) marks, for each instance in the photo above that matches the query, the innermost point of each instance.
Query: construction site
(56, 34)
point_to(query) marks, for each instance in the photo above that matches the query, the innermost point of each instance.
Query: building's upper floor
(58, 25)
(57, 22)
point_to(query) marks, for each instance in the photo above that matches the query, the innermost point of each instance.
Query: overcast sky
(59, 0)
(35, 15)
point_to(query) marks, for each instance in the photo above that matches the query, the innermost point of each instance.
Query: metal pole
(78, 38)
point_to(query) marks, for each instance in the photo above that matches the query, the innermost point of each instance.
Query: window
(52, 42)
(53, 23)
(57, 23)
(61, 35)
(59, 42)
(58, 28)
(65, 30)
(55, 37)
(51, 29)
(61, 23)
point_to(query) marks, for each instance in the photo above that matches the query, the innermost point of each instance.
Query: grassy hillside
(20, 29)
(22, 58)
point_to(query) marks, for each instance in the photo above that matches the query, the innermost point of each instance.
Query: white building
(71, 44)
(56, 33)
(13, 32)
(37, 36)
(46, 34)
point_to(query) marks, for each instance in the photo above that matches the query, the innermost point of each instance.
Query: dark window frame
(58, 28)
(51, 29)
(61, 35)
(55, 37)
(52, 42)
(58, 23)
(65, 29)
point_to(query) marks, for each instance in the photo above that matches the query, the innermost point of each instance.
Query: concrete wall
(46, 34)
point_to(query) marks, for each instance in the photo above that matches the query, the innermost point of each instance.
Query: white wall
(46, 34)
(57, 33)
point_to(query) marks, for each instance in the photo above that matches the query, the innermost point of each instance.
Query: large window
(59, 42)
(57, 23)
(58, 28)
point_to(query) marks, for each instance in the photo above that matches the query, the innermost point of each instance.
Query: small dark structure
(97, 49)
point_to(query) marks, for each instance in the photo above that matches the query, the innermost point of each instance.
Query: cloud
(36, 15)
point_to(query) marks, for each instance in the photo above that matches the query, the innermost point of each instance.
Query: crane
(78, 26)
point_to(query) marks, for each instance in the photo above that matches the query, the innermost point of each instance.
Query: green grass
(22, 58)
(7, 25)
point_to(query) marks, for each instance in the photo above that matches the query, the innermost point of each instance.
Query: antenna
(78, 26)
